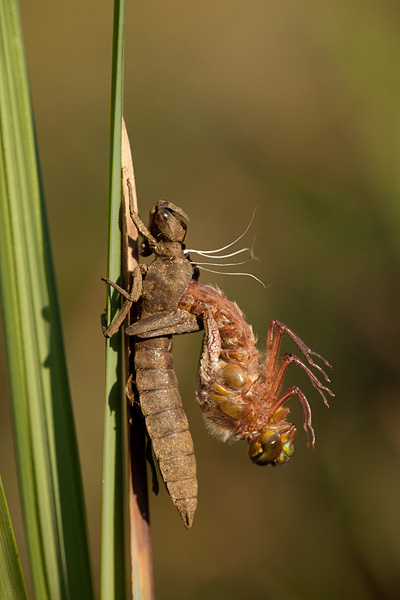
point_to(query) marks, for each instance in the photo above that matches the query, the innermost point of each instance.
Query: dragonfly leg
(140, 226)
(130, 298)
(168, 323)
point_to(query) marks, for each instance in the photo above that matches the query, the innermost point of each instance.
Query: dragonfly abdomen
(166, 422)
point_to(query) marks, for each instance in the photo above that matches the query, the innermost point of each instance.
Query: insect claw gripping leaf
(130, 298)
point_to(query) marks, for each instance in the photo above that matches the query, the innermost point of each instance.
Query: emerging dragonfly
(240, 396)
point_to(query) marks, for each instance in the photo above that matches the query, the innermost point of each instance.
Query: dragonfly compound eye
(266, 449)
(286, 454)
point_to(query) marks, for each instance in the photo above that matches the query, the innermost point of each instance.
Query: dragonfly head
(272, 447)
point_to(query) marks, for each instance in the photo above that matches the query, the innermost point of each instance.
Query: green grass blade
(12, 584)
(113, 561)
(47, 454)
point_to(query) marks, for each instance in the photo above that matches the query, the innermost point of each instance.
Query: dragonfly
(240, 395)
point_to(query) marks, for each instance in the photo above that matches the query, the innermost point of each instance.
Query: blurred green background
(292, 107)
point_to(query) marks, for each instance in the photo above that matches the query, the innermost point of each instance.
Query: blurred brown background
(293, 107)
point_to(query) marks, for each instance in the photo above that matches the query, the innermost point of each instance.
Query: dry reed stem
(140, 539)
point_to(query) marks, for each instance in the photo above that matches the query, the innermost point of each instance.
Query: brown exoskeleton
(240, 397)
(157, 289)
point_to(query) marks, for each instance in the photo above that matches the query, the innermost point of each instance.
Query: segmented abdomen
(229, 365)
(166, 422)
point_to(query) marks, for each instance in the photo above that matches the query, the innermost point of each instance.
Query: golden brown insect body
(240, 396)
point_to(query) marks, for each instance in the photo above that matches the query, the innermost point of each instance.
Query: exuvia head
(166, 225)
(167, 222)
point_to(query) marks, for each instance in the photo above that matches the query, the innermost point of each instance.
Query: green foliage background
(229, 105)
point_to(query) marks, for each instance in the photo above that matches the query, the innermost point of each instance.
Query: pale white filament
(204, 252)
(210, 253)
(247, 274)
(243, 262)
